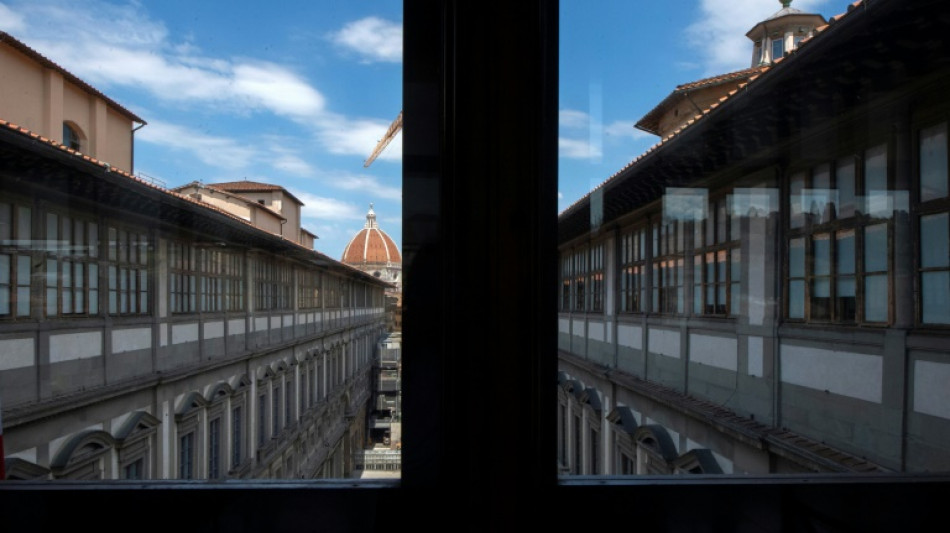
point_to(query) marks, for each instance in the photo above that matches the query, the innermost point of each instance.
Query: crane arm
(381, 145)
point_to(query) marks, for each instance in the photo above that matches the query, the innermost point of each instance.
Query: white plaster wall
(578, 326)
(260, 324)
(184, 333)
(288, 320)
(630, 336)
(73, 346)
(724, 463)
(163, 334)
(720, 352)
(127, 340)
(274, 322)
(213, 330)
(756, 357)
(664, 342)
(17, 353)
(932, 388)
(236, 326)
(564, 325)
(846, 373)
(595, 330)
(26, 455)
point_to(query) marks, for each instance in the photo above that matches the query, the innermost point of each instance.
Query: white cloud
(576, 149)
(219, 152)
(292, 164)
(620, 128)
(327, 209)
(718, 34)
(373, 38)
(10, 21)
(133, 50)
(341, 135)
(573, 119)
(368, 184)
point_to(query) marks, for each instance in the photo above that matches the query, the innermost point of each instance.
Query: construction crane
(381, 145)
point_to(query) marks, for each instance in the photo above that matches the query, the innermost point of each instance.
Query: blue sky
(619, 59)
(299, 94)
(296, 96)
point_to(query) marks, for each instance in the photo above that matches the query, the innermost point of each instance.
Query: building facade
(767, 289)
(145, 334)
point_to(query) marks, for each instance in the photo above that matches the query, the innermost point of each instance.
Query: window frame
(858, 223)
(446, 44)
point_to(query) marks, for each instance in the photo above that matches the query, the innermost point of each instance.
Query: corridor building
(146, 334)
(767, 289)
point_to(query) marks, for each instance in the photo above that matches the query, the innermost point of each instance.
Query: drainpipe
(132, 162)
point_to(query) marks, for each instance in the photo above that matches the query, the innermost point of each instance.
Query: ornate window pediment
(78, 456)
(623, 417)
(139, 425)
(697, 461)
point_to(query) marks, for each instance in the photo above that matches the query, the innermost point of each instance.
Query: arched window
(72, 136)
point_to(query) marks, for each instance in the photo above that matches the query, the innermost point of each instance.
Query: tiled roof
(650, 122)
(803, 45)
(371, 245)
(46, 62)
(246, 186)
(716, 80)
(251, 203)
(251, 186)
(203, 205)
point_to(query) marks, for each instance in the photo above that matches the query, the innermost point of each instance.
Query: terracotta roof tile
(716, 80)
(251, 186)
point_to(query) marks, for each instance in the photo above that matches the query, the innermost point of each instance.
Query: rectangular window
(214, 449)
(186, 456)
(935, 268)
(933, 163)
(668, 267)
(288, 402)
(262, 419)
(16, 241)
(566, 282)
(72, 268)
(633, 263)
(594, 448)
(127, 271)
(579, 268)
(183, 277)
(627, 466)
(717, 263)
(221, 280)
(778, 48)
(275, 414)
(237, 441)
(308, 289)
(933, 223)
(838, 247)
(274, 282)
(597, 277)
(134, 470)
(576, 467)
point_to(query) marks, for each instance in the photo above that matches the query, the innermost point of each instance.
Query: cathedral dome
(371, 246)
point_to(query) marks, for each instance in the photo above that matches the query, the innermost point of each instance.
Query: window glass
(933, 162)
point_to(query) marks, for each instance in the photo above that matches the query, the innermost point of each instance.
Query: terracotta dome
(371, 245)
